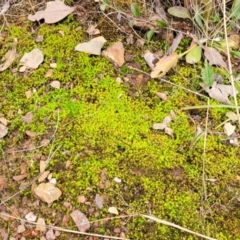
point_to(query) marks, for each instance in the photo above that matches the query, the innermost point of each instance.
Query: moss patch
(104, 132)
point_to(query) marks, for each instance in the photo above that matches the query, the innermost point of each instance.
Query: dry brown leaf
(4, 121)
(93, 46)
(115, 53)
(49, 73)
(175, 43)
(229, 128)
(55, 84)
(3, 131)
(92, 30)
(54, 12)
(23, 168)
(39, 38)
(31, 133)
(163, 96)
(214, 57)
(164, 65)
(3, 183)
(20, 177)
(169, 131)
(219, 92)
(159, 126)
(150, 59)
(31, 60)
(28, 94)
(160, 10)
(113, 210)
(9, 57)
(27, 118)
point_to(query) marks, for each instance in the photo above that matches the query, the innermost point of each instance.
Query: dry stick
(63, 229)
(97, 235)
(229, 60)
(47, 161)
(176, 226)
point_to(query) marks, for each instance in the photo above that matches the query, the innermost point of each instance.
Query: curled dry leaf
(9, 57)
(150, 59)
(164, 65)
(175, 43)
(3, 183)
(3, 131)
(214, 57)
(54, 12)
(219, 92)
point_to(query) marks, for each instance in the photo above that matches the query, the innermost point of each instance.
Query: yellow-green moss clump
(104, 133)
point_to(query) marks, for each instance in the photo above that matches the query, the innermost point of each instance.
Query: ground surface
(97, 135)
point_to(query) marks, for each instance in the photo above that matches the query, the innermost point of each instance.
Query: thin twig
(229, 60)
(176, 226)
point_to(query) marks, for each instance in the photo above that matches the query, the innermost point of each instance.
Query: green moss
(101, 128)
